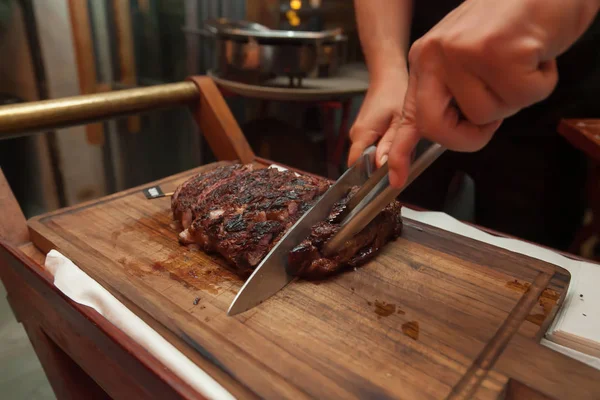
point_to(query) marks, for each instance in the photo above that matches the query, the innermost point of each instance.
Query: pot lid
(245, 30)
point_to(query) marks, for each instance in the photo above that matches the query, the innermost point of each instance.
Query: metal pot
(251, 52)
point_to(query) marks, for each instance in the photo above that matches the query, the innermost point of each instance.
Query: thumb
(405, 138)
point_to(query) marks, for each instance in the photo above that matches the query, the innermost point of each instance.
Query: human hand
(380, 114)
(492, 59)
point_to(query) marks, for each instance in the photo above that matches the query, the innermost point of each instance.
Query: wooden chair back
(13, 226)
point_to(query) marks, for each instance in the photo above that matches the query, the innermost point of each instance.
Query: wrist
(388, 71)
(560, 25)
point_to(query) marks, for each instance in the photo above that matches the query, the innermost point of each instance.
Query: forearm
(384, 32)
(560, 23)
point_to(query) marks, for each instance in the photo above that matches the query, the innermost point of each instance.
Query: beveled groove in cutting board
(487, 358)
(409, 324)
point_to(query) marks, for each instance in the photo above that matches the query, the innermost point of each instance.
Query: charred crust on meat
(265, 227)
(241, 213)
(236, 224)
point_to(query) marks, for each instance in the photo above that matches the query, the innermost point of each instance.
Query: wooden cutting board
(435, 315)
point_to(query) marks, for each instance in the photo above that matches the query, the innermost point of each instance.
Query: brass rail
(37, 116)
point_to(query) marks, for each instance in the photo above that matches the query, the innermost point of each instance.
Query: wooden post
(13, 226)
(218, 125)
(126, 53)
(86, 68)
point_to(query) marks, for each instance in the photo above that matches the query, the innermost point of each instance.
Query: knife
(272, 275)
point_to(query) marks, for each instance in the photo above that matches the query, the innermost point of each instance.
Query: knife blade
(272, 275)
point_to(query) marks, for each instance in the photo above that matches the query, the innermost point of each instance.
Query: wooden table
(434, 316)
(584, 134)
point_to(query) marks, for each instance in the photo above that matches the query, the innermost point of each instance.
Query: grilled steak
(241, 213)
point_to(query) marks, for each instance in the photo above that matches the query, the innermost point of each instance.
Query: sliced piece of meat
(306, 260)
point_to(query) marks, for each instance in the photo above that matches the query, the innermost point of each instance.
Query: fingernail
(383, 159)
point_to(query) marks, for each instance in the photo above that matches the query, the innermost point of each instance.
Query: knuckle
(395, 160)
(355, 132)
(484, 46)
(478, 114)
(425, 50)
(415, 52)
(551, 80)
(527, 89)
(457, 49)
(427, 126)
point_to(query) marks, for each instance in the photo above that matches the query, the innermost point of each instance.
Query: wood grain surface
(73, 341)
(583, 134)
(13, 227)
(433, 316)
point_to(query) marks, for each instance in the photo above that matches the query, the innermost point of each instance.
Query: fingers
(519, 85)
(383, 148)
(400, 154)
(542, 82)
(429, 113)
(405, 138)
(380, 111)
(370, 125)
(359, 145)
(439, 121)
(477, 101)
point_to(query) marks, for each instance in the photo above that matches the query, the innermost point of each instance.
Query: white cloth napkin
(79, 287)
